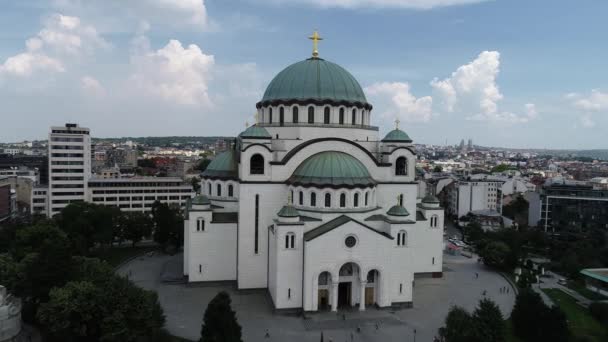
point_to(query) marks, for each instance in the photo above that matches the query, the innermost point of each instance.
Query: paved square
(185, 305)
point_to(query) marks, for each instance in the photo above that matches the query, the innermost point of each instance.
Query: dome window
(311, 115)
(356, 201)
(219, 190)
(401, 166)
(256, 165)
(366, 198)
(327, 200)
(354, 116)
(230, 190)
(341, 116)
(313, 199)
(294, 113)
(342, 200)
(281, 116)
(270, 115)
(326, 116)
(301, 198)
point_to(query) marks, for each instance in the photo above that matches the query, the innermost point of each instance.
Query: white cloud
(61, 38)
(472, 88)
(596, 101)
(586, 121)
(91, 86)
(402, 104)
(174, 73)
(408, 4)
(118, 15)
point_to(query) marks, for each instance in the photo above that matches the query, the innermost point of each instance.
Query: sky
(511, 73)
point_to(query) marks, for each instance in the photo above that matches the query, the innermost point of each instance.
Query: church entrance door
(344, 294)
(369, 296)
(323, 299)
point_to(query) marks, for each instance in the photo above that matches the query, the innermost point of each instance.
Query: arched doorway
(348, 285)
(324, 282)
(372, 287)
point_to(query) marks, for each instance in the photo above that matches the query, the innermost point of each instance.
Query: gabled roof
(223, 166)
(335, 223)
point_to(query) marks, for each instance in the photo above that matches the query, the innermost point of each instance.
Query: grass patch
(584, 291)
(581, 323)
(509, 334)
(117, 255)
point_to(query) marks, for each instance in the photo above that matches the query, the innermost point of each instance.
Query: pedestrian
(377, 327)
(484, 292)
(352, 337)
(358, 328)
(267, 335)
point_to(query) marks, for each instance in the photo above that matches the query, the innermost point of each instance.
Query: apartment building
(466, 195)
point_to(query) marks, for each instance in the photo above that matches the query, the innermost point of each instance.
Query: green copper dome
(288, 211)
(333, 169)
(223, 166)
(201, 200)
(430, 199)
(255, 132)
(398, 210)
(315, 79)
(397, 135)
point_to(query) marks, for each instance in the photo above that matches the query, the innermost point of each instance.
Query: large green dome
(315, 79)
(223, 166)
(331, 168)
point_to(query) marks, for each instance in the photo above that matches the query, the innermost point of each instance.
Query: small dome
(398, 210)
(288, 211)
(255, 132)
(331, 168)
(200, 200)
(397, 135)
(315, 79)
(223, 166)
(430, 199)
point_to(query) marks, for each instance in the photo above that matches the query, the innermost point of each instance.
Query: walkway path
(185, 305)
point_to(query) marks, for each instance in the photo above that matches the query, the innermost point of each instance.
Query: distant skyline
(513, 73)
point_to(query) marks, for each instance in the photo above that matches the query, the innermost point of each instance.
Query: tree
(134, 226)
(473, 233)
(534, 321)
(495, 254)
(196, 185)
(489, 321)
(437, 168)
(202, 165)
(220, 323)
(168, 225)
(459, 326)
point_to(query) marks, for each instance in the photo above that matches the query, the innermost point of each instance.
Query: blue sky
(504, 73)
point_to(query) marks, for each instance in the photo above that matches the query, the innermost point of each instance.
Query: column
(362, 296)
(334, 296)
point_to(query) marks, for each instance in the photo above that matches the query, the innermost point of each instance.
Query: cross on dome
(397, 123)
(315, 41)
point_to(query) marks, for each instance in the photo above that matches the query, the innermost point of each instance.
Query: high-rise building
(470, 145)
(69, 165)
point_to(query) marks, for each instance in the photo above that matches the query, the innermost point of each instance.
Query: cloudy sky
(514, 73)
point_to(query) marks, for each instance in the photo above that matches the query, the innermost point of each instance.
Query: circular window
(350, 241)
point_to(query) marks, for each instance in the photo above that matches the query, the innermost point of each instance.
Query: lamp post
(414, 335)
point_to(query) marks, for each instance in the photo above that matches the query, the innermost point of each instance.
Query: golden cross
(397, 123)
(315, 41)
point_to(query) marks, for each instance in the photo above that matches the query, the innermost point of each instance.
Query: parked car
(562, 281)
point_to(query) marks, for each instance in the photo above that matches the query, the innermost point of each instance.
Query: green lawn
(584, 291)
(116, 255)
(582, 324)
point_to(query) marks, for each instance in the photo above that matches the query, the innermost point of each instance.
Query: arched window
(209, 188)
(294, 113)
(219, 190)
(434, 219)
(354, 116)
(363, 118)
(200, 224)
(327, 200)
(230, 190)
(401, 166)
(256, 165)
(356, 201)
(311, 114)
(313, 199)
(366, 198)
(290, 241)
(281, 116)
(341, 116)
(326, 115)
(342, 200)
(301, 198)
(270, 115)
(402, 238)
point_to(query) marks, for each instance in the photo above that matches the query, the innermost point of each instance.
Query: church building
(312, 205)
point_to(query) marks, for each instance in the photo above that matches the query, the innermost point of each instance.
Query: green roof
(223, 166)
(331, 168)
(314, 79)
(288, 211)
(600, 274)
(430, 199)
(200, 200)
(335, 223)
(397, 135)
(255, 132)
(397, 210)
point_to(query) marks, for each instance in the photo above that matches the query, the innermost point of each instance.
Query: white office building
(468, 195)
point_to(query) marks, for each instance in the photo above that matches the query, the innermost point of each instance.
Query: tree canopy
(220, 323)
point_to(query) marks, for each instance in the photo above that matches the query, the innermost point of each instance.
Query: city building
(466, 195)
(40, 165)
(596, 280)
(572, 205)
(312, 205)
(8, 199)
(69, 165)
(40, 200)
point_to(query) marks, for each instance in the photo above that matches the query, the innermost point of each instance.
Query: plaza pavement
(185, 305)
